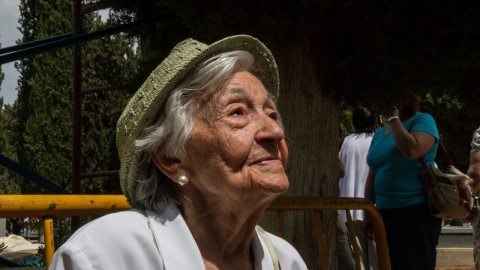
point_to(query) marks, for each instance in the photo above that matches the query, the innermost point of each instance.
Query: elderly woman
(202, 154)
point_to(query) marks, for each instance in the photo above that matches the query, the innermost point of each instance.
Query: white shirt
(353, 155)
(123, 241)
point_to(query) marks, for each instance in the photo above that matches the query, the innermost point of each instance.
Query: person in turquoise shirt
(396, 183)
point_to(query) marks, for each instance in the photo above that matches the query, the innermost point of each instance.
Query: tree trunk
(311, 121)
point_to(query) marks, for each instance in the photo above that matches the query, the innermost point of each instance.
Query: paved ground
(455, 267)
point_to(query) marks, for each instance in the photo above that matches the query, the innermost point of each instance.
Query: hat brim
(149, 100)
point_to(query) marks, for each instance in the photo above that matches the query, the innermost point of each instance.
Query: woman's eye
(274, 115)
(237, 112)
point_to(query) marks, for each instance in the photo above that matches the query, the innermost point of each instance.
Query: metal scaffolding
(75, 39)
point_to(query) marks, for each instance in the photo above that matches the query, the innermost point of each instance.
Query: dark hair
(408, 106)
(364, 121)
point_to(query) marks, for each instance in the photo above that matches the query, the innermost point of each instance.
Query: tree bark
(311, 120)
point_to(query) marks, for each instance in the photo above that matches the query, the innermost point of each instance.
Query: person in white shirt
(353, 155)
(203, 154)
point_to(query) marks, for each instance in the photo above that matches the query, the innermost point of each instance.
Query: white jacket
(123, 241)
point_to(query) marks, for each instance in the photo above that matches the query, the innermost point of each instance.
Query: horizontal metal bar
(69, 41)
(60, 205)
(315, 203)
(30, 175)
(87, 8)
(36, 43)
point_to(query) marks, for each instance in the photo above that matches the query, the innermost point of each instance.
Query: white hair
(169, 134)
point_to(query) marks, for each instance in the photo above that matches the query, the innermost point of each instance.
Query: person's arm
(474, 171)
(411, 145)
(341, 169)
(369, 195)
(369, 187)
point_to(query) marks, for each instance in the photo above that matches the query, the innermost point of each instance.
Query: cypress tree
(44, 105)
(44, 101)
(3, 136)
(9, 181)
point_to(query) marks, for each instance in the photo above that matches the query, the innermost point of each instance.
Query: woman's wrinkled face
(236, 146)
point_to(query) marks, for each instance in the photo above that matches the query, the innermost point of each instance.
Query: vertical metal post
(353, 239)
(77, 109)
(49, 243)
(321, 242)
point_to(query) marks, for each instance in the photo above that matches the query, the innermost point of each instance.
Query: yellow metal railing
(50, 206)
(317, 204)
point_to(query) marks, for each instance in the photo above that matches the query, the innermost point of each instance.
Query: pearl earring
(182, 180)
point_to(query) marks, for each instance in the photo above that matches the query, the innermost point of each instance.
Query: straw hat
(149, 100)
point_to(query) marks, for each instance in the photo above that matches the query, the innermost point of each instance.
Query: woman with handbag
(396, 183)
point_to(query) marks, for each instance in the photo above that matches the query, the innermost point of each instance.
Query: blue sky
(9, 15)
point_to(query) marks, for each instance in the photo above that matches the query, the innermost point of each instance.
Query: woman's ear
(171, 167)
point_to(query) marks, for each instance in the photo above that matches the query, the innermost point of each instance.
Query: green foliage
(110, 60)
(456, 124)
(37, 224)
(2, 247)
(346, 125)
(154, 41)
(40, 256)
(38, 260)
(44, 106)
(47, 126)
(3, 137)
(63, 230)
(9, 181)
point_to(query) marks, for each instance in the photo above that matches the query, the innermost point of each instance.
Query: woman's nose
(270, 131)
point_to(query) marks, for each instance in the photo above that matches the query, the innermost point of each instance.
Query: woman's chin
(274, 187)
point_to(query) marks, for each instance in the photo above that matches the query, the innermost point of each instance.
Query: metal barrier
(50, 206)
(317, 204)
